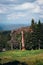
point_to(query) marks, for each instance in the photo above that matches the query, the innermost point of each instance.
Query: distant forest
(33, 40)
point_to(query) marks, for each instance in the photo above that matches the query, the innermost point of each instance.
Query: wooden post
(23, 46)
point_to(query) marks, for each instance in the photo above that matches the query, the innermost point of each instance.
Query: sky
(20, 11)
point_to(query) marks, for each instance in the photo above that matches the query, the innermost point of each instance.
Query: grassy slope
(31, 57)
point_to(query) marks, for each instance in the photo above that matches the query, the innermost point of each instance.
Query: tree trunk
(23, 45)
(20, 46)
(39, 46)
(11, 46)
(12, 43)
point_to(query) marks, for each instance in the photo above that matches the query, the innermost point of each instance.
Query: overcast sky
(20, 11)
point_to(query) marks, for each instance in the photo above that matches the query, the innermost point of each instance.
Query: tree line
(33, 39)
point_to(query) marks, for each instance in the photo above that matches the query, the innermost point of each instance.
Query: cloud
(23, 11)
(14, 16)
(29, 8)
(33, 7)
(12, 0)
(41, 16)
(36, 9)
(39, 2)
(2, 10)
(8, 2)
(24, 6)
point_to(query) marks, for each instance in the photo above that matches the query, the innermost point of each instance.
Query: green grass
(31, 57)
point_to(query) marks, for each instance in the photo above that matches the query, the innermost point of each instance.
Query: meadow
(18, 57)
